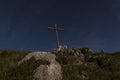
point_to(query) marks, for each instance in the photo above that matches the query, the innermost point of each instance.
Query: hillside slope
(76, 64)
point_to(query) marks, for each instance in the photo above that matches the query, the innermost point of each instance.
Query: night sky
(87, 23)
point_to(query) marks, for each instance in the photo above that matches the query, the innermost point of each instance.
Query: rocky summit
(52, 71)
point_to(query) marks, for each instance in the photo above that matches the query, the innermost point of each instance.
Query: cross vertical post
(57, 37)
(56, 30)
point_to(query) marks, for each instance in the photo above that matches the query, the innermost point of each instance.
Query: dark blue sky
(87, 23)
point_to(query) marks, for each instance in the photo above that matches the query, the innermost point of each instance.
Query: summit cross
(56, 30)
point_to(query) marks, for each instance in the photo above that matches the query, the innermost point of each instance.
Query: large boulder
(45, 72)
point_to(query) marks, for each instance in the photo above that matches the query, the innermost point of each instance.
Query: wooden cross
(56, 29)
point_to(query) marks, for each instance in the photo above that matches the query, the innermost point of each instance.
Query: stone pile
(70, 51)
(77, 52)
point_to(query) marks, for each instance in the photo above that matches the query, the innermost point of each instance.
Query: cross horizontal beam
(55, 28)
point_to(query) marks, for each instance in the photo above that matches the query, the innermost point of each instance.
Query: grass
(101, 66)
(8, 60)
(10, 70)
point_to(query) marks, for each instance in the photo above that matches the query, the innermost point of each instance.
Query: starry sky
(87, 23)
